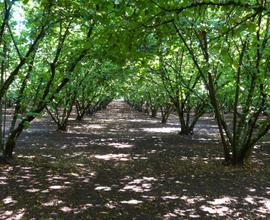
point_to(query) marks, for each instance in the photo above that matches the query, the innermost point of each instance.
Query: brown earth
(121, 164)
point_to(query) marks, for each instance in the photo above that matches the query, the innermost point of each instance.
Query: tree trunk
(1, 127)
(153, 112)
(11, 143)
(186, 130)
(12, 137)
(62, 127)
(237, 160)
(241, 156)
(79, 117)
(164, 119)
(9, 148)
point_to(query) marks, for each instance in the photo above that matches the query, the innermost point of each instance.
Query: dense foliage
(190, 57)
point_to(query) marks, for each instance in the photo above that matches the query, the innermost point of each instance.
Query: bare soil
(122, 164)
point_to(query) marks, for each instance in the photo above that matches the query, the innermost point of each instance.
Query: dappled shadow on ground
(123, 165)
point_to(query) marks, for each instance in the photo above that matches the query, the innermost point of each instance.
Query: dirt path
(122, 164)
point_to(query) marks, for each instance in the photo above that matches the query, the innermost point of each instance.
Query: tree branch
(14, 42)
(230, 3)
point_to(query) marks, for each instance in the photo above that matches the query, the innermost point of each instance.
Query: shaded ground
(123, 165)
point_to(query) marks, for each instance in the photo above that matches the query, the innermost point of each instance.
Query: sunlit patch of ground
(122, 164)
(161, 130)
